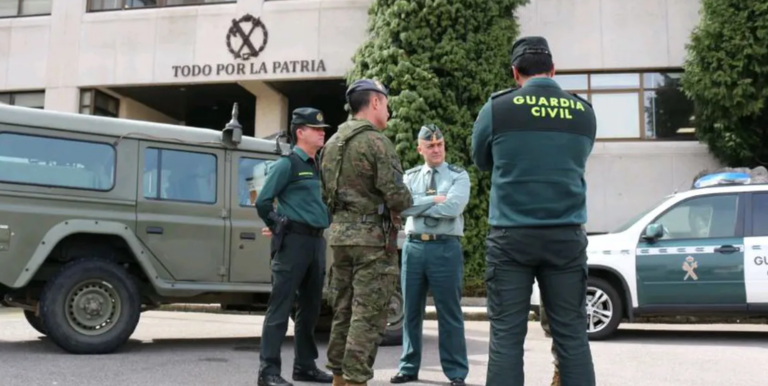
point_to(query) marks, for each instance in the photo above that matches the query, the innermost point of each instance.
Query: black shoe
(313, 375)
(403, 378)
(273, 380)
(458, 382)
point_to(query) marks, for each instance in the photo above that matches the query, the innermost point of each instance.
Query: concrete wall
(71, 49)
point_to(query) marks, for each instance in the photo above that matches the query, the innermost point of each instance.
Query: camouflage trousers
(363, 279)
(545, 326)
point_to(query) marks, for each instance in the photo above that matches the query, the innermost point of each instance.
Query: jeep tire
(91, 306)
(34, 321)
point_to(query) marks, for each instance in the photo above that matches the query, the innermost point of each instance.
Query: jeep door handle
(247, 236)
(726, 249)
(155, 230)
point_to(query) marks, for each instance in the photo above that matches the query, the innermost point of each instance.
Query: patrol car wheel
(91, 306)
(395, 316)
(604, 307)
(34, 321)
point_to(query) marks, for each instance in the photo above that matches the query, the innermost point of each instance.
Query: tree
(441, 60)
(726, 76)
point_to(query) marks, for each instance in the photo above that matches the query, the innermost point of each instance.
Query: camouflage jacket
(369, 174)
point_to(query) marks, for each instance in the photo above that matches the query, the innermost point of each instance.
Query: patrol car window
(175, 175)
(47, 161)
(701, 217)
(251, 173)
(760, 214)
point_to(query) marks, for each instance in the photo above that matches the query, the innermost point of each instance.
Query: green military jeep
(103, 218)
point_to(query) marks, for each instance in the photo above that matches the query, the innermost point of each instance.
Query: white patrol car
(702, 252)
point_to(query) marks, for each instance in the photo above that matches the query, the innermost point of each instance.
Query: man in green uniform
(536, 140)
(298, 248)
(433, 259)
(364, 190)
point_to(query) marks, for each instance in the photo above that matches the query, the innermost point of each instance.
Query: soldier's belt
(429, 237)
(357, 217)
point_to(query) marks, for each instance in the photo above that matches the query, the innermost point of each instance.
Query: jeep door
(249, 250)
(756, 252)
(181, 209)
(698, 265)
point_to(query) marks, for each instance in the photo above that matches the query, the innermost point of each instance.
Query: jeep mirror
(233, 132)
(653, 232)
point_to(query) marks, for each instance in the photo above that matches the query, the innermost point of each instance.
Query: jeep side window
(251, 175)
(175, 175)
(56, 162)
(759, 214)
(701, 217)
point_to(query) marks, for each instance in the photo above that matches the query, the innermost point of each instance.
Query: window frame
(739, 230)
(19, 6)
(92, 107)
(640, 91)
(12, 97)
(159, 177)
(160, 4)
(108, 144)
(749, 230)
(243, 156)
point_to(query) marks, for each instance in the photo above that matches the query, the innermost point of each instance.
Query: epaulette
(456, 169)
(581, 99)
(504, 92)
(413, 170)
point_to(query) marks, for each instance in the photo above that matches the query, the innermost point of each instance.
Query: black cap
(529, 45)
(367, 85)
(307, 116)
(430, 132)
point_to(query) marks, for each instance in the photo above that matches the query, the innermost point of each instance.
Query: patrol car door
(249, 250)
(180, 210)
(698, 264)
(756, 252)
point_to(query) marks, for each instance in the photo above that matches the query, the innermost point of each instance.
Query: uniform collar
(542, 82)
(300, 152)
(440, 168)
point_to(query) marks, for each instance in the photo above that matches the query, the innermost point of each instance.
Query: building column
(271, 108)
(61, 92)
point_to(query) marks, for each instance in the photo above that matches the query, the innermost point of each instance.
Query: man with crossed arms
(433, 258)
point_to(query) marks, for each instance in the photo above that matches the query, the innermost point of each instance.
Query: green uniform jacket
(370, 175)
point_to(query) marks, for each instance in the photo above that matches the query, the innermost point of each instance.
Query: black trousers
(298, 273)
(557, 258)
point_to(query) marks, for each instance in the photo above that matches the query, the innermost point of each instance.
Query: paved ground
(171, 349)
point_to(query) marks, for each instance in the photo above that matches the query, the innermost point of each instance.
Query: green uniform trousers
(298, 266)
(556, 257)
(363, 280)
(437, 266)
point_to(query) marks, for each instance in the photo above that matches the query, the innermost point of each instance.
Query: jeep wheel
(90, 307)
(604, 309)
(394, 333)
(34, 321)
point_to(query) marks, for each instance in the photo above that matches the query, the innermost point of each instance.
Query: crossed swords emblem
(689, 266)
(236, 30)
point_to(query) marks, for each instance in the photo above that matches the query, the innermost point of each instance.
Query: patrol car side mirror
(233, 132)
(653, 232)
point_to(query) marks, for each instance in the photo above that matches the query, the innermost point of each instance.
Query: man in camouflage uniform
(364, 190)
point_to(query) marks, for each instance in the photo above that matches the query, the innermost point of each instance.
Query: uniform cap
(367, 85)
(430, 132)
(529, 45)
(307, 116)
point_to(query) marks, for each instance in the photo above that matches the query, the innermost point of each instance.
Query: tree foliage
(726, 76)
(441, 60)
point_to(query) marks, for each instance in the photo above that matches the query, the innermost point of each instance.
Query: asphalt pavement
(190, 349)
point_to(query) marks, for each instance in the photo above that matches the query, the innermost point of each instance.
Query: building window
(14, 8)
(114, 5)
(33, 99)
(95, 102)
(48, 161)
(635, 105)
(175, 175)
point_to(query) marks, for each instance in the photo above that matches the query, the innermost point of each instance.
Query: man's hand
(439, 199)
(266, 232)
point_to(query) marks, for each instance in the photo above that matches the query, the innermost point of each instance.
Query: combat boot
(338, 380)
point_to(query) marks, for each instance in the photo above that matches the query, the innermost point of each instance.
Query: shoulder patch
(456, 169)
(581, 99)
(413, 170)
(504, 92)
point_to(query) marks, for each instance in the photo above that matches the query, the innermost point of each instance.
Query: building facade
(185, 61)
